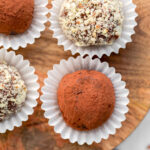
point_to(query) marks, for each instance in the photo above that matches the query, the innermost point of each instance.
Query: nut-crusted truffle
(12, 91)
(86, 99)
(15, 16)
(91, 22)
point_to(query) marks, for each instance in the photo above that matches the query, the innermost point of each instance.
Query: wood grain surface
(134, 65)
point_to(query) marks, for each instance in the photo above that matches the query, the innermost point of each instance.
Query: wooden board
(134, 65)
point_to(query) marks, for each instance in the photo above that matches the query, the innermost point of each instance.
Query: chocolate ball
(89, 22)
(12, 91)
(86, 99)
(15, 16)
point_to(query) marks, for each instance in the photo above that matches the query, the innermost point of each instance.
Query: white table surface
(140, 138)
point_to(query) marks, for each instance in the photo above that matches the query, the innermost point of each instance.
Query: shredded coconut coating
(91, 22)
(12, 91)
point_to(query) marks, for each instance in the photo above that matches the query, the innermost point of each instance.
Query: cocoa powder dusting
(86, 99)
(15, 16)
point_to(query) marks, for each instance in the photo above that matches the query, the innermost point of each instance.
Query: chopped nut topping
(91, 22)
(12, 91)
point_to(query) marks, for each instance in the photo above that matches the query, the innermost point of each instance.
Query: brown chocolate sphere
(15, 16)
(86, 99)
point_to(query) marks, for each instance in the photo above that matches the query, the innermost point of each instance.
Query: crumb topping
(91, 22)
(12, 91)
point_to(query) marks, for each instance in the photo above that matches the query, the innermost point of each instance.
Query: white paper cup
(34, 31)
(30, 79)
(53, 113)
(127, 31)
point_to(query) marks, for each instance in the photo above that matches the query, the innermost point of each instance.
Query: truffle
(91, 22)
(15, 16)
(86, 99)
(12, 91)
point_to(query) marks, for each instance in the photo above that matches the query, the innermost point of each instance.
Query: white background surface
(140, 138)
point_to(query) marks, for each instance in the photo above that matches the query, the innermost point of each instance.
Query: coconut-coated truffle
(86, 99)
(91, 22)
(15, 16)
(12, 91)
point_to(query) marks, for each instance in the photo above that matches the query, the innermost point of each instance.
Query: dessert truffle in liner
(12, 91)
(91, 22)
(86, 99)
(15, 16)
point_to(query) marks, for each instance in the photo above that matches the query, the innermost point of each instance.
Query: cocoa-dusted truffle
(86, 99)
(15, 16)
(91, 22)
(12, 91)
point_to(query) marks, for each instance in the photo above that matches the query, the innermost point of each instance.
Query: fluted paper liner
(53, 113)
(30, 79)
(34, 31)
(127, 31)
